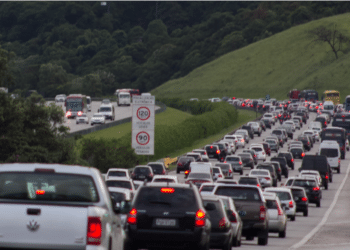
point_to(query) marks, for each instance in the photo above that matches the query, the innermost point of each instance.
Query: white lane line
(323, 221)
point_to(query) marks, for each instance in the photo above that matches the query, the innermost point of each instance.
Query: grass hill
(274, 66)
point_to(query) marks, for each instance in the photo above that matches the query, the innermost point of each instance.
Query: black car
(250, 130)
(322, 120)
(306, 141)
(183, 164)
(252, 152)
(301, 200)
(298, 153)
(303, 115)
(262, 125)
(289, 157)
(223, 148)
(213, 151)
(141, 173)
(267, 123)
(247, 160)
(277, 166)
(164, 215)
(222, 232)
(283, 164)
(272, 170)
(313, 191)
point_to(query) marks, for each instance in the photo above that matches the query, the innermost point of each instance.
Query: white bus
(88, 101)
(124, 98)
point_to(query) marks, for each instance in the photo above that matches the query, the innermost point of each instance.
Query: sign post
(143, 115)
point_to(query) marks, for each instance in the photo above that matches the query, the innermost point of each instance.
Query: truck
(294, 94)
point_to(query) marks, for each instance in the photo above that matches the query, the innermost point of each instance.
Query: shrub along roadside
(193, 107)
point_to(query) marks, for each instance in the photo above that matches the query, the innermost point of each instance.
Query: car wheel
(283, 233)
(318, 204)
(262, 241)
(228, 246)
(338, 170)
(326, 186)
(177, 171)
(259, 134)
(76, 122)
(292, 218)
(241, 173)
(293, 168)
(305, 213)
(92, 124)
(236, 242)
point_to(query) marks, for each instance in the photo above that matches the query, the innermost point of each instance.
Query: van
(108, 111)
(123, 98)
(331, 150)
(201, 167)
(320, 164)
(328, 107)
(88, 103)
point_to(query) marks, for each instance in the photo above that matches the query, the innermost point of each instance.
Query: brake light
(225, 162)
(220, 176)
(302, 154)
(187, 172)
(68, 114)
(200, 219)
(316, 188)
(79, 113)
(218, 151)
(279, 170)
(230, 171)
(292, 160)
(205, 153)
(275, 116)
(254, 156)
(94, 231)
(132, 217)
(167, 190)
(325, 123)
(268, 178)
(179, 164)
(316, 107)
(280, 211)
(327, 176)
(279, 115)
(242, 140)
(211, 146)
(304, 199)
(291, 204)
(40, 192)
(240, 163)
(257, 185)
(223, 223)
(262, 215)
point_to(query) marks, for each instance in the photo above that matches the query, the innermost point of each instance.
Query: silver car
(286, 198)
(98, 119)
(83, 118)
(277, 217)
(236, 163)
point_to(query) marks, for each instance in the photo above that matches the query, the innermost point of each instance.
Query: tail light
(131, 219)
(343, 148)
(94, 231)
(302, 154)
(220, 176)
(200, 219)
(258, 185)
(268, 178)
(225, 162)
(150, 174)
(280, 211)
(187, 172)
(230, 171)
(79, 113)
(291, 204)
(304, 199)
(327, 176)
(179, 164)
(263, 153)
(242, 140)
(218, 151)
(275, 116)
(223, 223)
(279, 170)
(308, 143)
(254, 156)
(292, 160)
(279, 115)
(163, 171)
(325, 123)
(240, 163)
(211, 146)
(68, 114)
(338, 160)
(316, 188)
(205, 153)
(262, 215)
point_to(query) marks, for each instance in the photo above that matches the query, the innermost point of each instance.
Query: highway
(120, 113)
(327, 227)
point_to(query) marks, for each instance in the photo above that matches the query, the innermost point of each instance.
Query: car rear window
(257, 149)
(157, 169)
(270, 168)
(329, 152)
(199, 176)
(216, 170)
(239, 193)
(297, 193)
(284, 196)
(117, 174)
(271, 204)
(210, 147)
(119, 183)
(216, 214)
(48, 187)
(167, 198)
(207, 188)
(277, 132)
(232, 159)
(251, 181)
(223, 166)
(287, 155)
(248, 155)
(257, 172)
(141, 171)
(164, 180)
(184, 159)
(118, 197)
(296, 150)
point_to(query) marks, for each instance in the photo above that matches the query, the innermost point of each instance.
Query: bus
(336, 134)
(332, 95)
(347, 104)
(294, 94)
(131, 91)
(76, 104)
(309, 95)
(88, 99)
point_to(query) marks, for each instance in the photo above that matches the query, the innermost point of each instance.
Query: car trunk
(40, 224)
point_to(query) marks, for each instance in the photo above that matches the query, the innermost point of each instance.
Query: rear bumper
(276, 225)
(302, 207)
(219, 239)
(253, 228)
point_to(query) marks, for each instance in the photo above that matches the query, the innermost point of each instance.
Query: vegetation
(290, 59)
(83, 47)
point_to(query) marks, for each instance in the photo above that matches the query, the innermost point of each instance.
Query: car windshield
(141, 171)
(239, 193)
(277, 132)
(184, 159)
(119, 183)
(257, 149)
(284, 196)
(117, 173)
(105, 109)
(207, 188)
(53, 187)
(232, 159)
(329, 152)
(74, 105)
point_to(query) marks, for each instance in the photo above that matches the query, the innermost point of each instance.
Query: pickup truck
(53, 206)
(251, 206)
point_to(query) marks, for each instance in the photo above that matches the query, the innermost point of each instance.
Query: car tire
(286, 175)
(259, 134)
(241, 173)
(283, 233)
(228, 246)
(177, 171)
(306, 213)
(292, 218)
(263, 241)
(293, 168)
(338, 170)
(318, 204)
(77, 122)
(326, 186)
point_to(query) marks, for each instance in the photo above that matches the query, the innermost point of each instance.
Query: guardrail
(111, 124)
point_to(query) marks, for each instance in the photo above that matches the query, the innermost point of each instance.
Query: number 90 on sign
(143, 113)
(142, 138)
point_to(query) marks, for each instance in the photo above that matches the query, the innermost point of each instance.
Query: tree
(333, 37)
(51, 76)
(6, 78)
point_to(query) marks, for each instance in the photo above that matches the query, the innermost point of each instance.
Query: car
(198, 178)
(231, 146)
(312, 173)
(311, 133)
(270, 117)
(301, 200)
(262, 125)
(203, 153)
(108, 111)
(278, 169)
(297, 123)
(256, 127)
(213, 151)
(296, 144)
(196, 156)
(249, 129)
(221, 235)
(137, 184)
(291, 124)
(306, 141)
(231, 138)
(240, 140)
(180, 219)
(226, 169)
(259, 151)
(247, 160)
(251, 206)
(142, 173)
(52, 202)
(277, 217)
(236, 163)
(244, 133)
(280, 135)
(331, 150)
(264, 176)
(183, 163)
(297, 152)
(158, 168)
(267, 148)
(286, 198)
(274, 144)
(289, 130)
(218, 174)
(165, 178)
(283, 164)
(268, 123)
(83, 118)
(206, 188)
(271, 168)
(252, 153)
(289, 158)
(60, 98)
(97, 118)
(249, 180)
(118, 172)
(120, 182)
(106, 101)
(313, 190)
(123, 198)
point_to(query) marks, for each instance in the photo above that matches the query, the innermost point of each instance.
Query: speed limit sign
(143, 142)
(142, 138)
(143, 113)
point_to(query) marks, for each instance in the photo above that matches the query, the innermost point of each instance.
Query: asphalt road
(326, 227)
(120, 113)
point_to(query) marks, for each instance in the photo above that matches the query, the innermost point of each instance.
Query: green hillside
(274, 66)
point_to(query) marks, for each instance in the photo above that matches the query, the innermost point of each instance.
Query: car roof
(279, 189)
(160, 176)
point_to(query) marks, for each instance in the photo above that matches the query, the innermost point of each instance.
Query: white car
(259, 151)
(277, 217)
(271, 117)
(240, 141)
(120, 182)
(98, 119)
(256, 127)
(313, 173)
(264, 176)
(231, 145)
(57, 206)
(244, 133)
(217, 173)
(311, 133)
(165, 178)
(286, 198)
(83, 118)
(60, 98)
(290, 123)
(118, 172)
(204, 154)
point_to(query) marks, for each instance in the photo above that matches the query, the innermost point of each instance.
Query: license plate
(211, 155)
(165, 222)
(142, 176)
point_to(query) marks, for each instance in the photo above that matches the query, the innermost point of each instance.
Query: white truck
(124, 98)
(53, 206)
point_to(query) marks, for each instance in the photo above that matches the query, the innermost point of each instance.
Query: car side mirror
(210, 206)
(116, 205)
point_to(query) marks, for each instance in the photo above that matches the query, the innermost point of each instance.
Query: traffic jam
(239, 191)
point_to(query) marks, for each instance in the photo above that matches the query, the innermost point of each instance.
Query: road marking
(323, 221)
